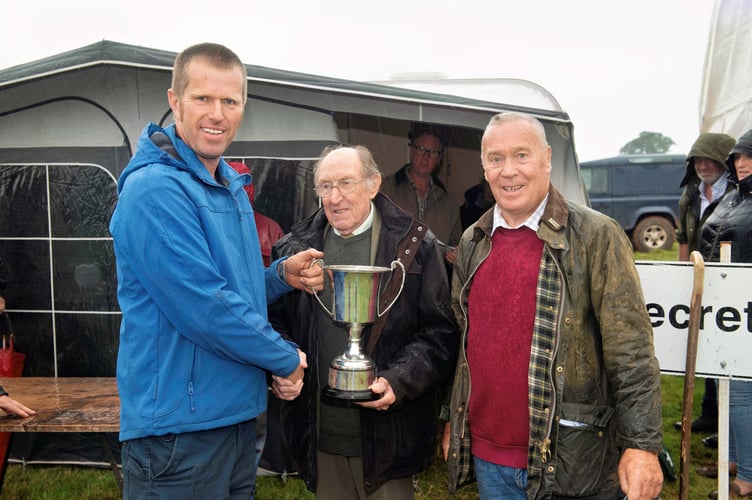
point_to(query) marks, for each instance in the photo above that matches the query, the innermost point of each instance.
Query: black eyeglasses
(432, 153)
(345, 186)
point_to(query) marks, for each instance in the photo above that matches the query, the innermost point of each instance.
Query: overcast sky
(618, 67)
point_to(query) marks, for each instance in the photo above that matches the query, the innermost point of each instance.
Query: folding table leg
(113, 463)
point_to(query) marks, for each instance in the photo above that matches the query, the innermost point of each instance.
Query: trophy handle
(394, 264)
(321, 263)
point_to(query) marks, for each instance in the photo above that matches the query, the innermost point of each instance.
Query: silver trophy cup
(356, 292)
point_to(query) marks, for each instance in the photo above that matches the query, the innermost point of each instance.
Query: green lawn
(63, 483)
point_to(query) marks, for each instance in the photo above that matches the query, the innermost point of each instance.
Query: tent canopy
(110, 90)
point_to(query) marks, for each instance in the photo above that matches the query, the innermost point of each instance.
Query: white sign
(724, 347)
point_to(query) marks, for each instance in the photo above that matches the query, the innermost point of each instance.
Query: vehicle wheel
(653, 233)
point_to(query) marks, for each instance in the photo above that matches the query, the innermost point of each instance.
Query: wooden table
(66, 404)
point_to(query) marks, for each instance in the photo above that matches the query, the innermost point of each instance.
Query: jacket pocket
(583, 443)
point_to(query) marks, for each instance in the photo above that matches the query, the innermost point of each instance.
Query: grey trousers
(341, 478)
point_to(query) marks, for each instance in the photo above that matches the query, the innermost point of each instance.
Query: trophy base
(339, 397)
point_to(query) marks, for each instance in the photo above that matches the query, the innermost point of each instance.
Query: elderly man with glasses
(416, 188)
(368, 449)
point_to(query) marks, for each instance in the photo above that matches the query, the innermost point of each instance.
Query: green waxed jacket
(601, 371)
(708, 145)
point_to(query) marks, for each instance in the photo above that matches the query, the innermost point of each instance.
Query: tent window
(58, 261)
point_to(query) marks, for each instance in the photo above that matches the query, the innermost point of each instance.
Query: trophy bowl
(356, 293)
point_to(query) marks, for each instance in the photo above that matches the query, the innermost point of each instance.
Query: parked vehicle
(641, 192)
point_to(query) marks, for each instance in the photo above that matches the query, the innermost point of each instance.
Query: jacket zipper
(191, 379)
(463, 293)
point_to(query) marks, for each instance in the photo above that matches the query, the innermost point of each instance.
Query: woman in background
(732, 221)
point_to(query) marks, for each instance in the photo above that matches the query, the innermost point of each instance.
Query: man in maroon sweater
(557, 389)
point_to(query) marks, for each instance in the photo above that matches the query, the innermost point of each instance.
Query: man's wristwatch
(3, 392)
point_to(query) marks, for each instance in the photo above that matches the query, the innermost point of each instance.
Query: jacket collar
(552, 224)
(745, 186)
(395, 224)
(400, 177)
(554, 221)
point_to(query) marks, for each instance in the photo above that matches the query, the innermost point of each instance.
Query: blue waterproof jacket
(195, 340)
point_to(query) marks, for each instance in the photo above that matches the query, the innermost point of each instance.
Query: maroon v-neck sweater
(501, 314)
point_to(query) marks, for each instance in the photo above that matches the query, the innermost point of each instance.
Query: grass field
(67, 483)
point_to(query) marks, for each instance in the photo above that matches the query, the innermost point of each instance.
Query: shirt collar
(532, 222)
(363, 227)
(718, 188)
(407, 174)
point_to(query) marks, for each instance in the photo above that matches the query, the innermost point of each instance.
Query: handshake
(289, 387)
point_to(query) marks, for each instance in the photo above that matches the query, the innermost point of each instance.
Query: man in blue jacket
(195, 341)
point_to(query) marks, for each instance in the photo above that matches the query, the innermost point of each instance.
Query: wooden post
(695, 314)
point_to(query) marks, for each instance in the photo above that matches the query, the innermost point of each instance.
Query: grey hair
(510, 116)
(370, 168)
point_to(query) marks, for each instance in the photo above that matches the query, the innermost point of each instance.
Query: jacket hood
(177, 156)
(744, 146)
(708, 145)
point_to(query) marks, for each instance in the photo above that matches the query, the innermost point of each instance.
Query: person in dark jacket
(732, 218)
(557, 388)
(370, 449)
(478, 199)
(705, 182)
(731, 221)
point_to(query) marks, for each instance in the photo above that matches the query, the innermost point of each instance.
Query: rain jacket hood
(708, 145)
(148, 153)
(744, 146)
